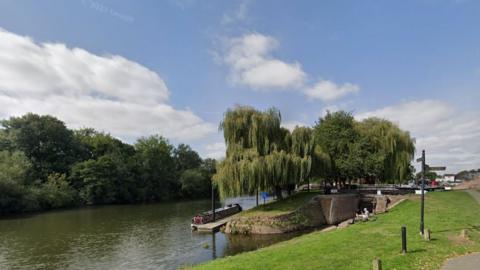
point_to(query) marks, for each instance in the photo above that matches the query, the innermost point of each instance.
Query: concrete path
(467, 262)
(475, 194)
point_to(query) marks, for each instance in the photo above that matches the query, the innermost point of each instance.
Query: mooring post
(377, 264)
(404, 239)
(214, 246)
(427, 234)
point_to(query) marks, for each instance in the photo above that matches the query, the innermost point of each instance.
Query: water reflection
(156, 236)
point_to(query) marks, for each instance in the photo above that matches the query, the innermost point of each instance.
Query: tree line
(263, 156)
(45, 165)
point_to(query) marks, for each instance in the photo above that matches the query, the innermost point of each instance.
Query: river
(153, 236)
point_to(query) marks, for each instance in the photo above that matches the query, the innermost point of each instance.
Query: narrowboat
(220, 213)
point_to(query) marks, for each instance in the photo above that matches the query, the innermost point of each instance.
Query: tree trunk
(278, 192)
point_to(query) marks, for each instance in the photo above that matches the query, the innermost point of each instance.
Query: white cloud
(448, 136)
(419, 117)
(329, 91)
(238, 15)
(109, 93)
(251, 64)
(291, 125)
(215, 150)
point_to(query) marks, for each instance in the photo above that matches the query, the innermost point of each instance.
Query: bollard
(377, 264)
(427, 235)
(404, 239)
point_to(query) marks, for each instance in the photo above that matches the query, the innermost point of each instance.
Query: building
(446, 178)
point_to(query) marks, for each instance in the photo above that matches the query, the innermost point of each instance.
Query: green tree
(103, 180)
(156, 169)
(94, 144)
(46, 142)
(196, 183)
(394, 148)
(336, 135)
(15, 196)
(259, 153)
(186, 158)
(57, 193)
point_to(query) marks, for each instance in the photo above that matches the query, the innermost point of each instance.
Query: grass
(281, 207)
(354, 247)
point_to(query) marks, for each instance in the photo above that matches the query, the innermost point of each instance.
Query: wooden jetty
(212, 226)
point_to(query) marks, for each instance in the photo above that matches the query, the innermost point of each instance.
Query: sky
(173, 67)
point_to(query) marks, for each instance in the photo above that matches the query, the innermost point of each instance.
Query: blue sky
(173, 67)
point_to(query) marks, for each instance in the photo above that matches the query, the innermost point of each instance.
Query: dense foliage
(468, 175)
(373, 150)
(261, 155)
(45, 165)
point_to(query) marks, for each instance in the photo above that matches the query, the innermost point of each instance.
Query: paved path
(475, 194)
(467, 262)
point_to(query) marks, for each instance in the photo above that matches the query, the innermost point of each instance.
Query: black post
(404, 239)
(308, 183)
(214, 246)
(213, 201)
(257, 196)
(422, 206)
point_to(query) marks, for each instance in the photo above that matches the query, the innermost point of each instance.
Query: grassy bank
(285, 206)
(354, 247)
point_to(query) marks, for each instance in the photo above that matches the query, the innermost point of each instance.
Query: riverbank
(354, 247)
(275, 217)
(299, 212)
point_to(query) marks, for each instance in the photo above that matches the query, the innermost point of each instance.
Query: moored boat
(220, 213)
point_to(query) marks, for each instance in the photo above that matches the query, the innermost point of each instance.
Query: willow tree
(394, 148)
(261, 155)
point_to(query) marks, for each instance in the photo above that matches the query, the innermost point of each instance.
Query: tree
(394, 147)
(335, 134)
(259, 153)
(57, 193)
(195, 183)
(46, 142)
(94, 144)
(103, 180)
(186, 158)
(156, 169)
(15, 196)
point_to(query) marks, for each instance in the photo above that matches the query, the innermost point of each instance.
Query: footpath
(470, 261)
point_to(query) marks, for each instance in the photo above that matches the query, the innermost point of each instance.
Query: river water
(154, 236)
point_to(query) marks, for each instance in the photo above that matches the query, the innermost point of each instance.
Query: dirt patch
(459, 240)
(472, 184)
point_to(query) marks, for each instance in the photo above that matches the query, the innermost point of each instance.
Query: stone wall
(321, 210)
(337, 208)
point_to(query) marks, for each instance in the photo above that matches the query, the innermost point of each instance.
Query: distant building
(446, 178)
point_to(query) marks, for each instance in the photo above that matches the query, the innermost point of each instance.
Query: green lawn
(281, 207)
(355, 246)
